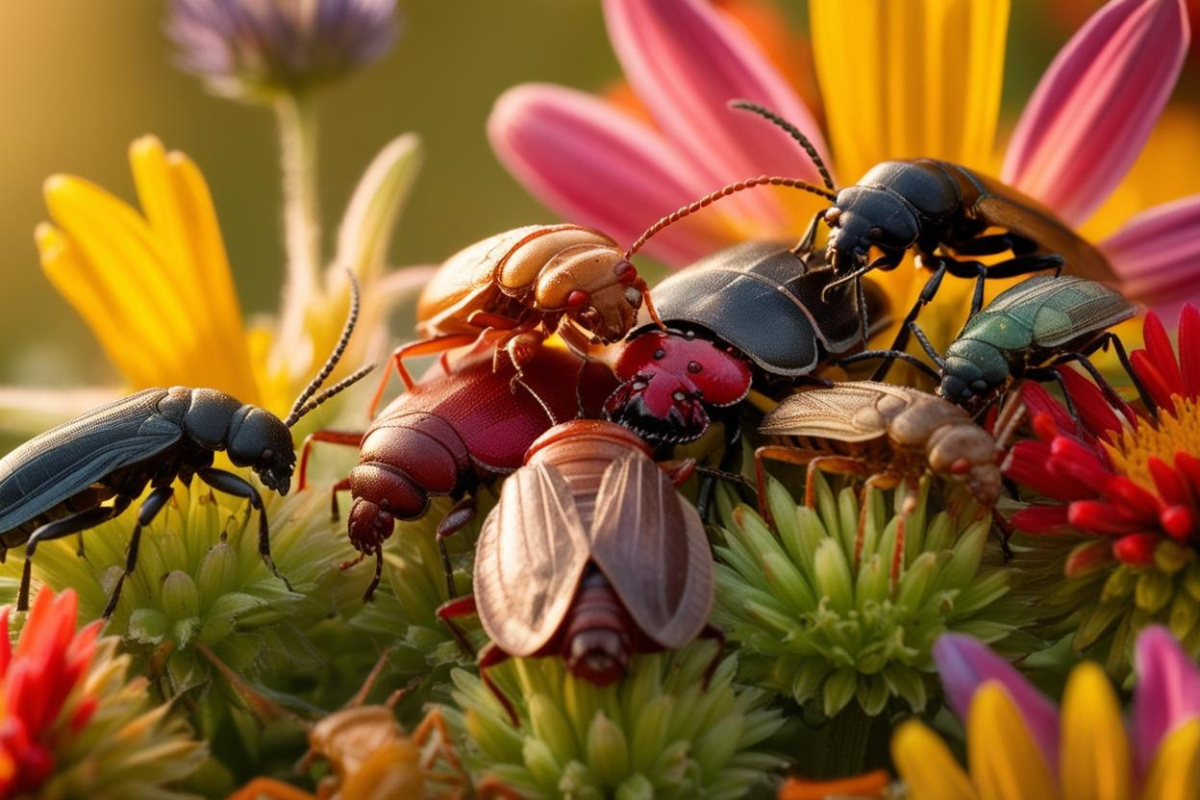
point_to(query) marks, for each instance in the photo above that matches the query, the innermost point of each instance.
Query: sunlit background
(80, 80)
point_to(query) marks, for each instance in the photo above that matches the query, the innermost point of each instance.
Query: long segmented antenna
(336, 389)
(334, 357)
(794, 132)
(725, 191)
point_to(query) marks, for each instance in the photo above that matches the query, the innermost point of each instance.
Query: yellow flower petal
(1175, 772)
(1094, 760)
(155, 290)
(1005, 762)
(926, 765)
(910, 78)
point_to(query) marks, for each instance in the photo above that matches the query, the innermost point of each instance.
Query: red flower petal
(1136, 549)
(1167, 481)
(1188, 466)
(1178, 521)
(1028, 463)
(1189, 349)
(1072, 459)
(1041, 519)
(1123, 491)
(1088, 557)
(1157, 384)
(1100, 517)
(1095, 412)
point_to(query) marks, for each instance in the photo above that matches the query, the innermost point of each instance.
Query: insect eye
(875, 232)
(833, 216)
(268, 454)
(961, 466)
(577, 298)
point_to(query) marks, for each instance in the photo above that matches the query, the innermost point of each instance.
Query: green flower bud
(656, 733)
(869, 638)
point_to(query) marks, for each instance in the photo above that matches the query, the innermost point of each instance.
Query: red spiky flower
(1123, 475)
(41, 697)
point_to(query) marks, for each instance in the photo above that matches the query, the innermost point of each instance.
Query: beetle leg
(452, 610)
(237, 486)
(341, 486)
(992, 245)
(456, 519)
(1103, 342)
(1047, 374)
(1012, 268)
(491, 657)
(804, 246)
(369, 594)
(421, 347)
(154, 503)
(889, 480)
(345, 438)
(75, 523)
(928, 292)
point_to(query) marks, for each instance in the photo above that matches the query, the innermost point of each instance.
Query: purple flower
(259, 48)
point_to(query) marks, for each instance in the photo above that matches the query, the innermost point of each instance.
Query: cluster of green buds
(660, 732)
(200, 585)
(1104, 604)
(826, 616)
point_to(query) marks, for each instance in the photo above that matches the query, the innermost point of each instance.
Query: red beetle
(591, 555)
(456, 429)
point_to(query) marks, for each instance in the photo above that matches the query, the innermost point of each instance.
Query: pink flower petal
(686, 62)
(965, 664)
(1093, 110)
(1157, 255)
(1167, 692)
(597, 166)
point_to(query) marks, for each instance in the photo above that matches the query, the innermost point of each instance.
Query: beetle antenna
(334, 357)
(793, 131)
(337, 388)
(725, 191)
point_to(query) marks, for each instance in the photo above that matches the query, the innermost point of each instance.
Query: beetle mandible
(516, 288)
(591, 555)
(454, 431)
(56, 484)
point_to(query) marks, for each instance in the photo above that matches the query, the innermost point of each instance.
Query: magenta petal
(1167, 692)
(686, 62)
(597, 166)
(1157, 255)
(965, 664)
(1093, 110)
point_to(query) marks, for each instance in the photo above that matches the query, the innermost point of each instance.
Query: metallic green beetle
(1027, 330)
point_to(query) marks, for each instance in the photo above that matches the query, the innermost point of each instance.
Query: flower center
(1177, 431)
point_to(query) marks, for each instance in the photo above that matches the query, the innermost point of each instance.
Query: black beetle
(940, 210)
(753, 303)
(54, 484)
(1040, 323)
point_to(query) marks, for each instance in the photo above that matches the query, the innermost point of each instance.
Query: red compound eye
(577, 298)
(960, 466)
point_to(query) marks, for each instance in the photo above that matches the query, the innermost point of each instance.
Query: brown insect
(886, 434)
(370, 756)
(591, 555)
(516, 288)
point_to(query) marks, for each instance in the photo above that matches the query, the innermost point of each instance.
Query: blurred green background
(80, 80)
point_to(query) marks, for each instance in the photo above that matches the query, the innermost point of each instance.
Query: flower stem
(849, 735)
(297, 120)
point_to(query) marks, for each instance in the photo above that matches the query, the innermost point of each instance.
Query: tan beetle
(514, 289)
(888, 435)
